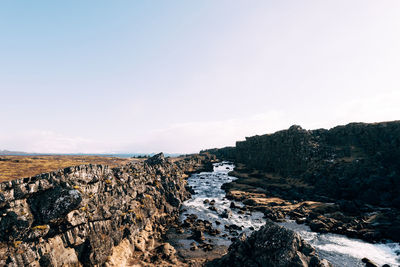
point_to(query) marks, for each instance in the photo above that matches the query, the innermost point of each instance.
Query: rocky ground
(272, 245)
(194, 253)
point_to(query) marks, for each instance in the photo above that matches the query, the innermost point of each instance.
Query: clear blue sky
(179, 76)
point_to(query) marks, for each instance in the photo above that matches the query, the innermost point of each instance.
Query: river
(339, 250)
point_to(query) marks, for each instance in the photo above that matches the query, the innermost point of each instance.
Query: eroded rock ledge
(92, 215)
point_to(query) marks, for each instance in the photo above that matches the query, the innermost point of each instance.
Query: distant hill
(119, 155)
(8, 152)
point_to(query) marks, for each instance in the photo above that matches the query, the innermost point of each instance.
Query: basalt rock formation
(271, 246)
(355, 161)
(356, 166)
(92, 215)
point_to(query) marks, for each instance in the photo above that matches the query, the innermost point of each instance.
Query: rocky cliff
(357, 161)
(91, 215)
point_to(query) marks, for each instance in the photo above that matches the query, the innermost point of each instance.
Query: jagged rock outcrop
(271, 246)
(84, 215)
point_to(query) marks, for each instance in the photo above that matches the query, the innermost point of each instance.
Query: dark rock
(198, 235)
(157, 159)
(319, 226)
(13, 227)
(212, 208)
(369, 263)
(301, 220)
(272, 246)
(213, 232)
(226, 214)
(206, 246)
(54, 204)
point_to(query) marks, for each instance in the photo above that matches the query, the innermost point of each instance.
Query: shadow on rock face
(54, 204)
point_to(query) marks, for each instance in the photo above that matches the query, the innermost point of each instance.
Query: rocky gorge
(92, 215)
(151, 212)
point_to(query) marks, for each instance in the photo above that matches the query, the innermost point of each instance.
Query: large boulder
(271, 246)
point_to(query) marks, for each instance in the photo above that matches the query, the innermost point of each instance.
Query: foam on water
(344, 251)
(207, 185)
(339, 250)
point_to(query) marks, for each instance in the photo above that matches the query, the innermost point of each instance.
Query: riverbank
(279, 198)
(210, 222)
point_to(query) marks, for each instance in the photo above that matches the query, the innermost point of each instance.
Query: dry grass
(14, 167)
(276, 203)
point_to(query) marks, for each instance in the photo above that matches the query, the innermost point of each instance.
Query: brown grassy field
(13, 167)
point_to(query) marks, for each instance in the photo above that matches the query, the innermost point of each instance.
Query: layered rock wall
(357, 161)
(84, 215)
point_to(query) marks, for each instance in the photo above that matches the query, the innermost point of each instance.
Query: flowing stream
(339, 250)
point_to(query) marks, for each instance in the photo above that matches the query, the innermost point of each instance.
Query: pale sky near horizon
(180, 76)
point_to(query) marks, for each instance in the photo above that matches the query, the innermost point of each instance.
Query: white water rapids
(339, 250)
